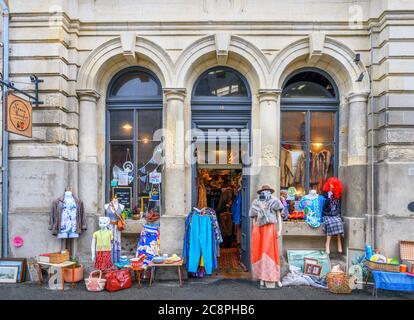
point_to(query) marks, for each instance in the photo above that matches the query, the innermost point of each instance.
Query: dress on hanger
(68, 224)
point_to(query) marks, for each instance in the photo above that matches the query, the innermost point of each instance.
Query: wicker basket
(338, 283)
(59, 257)
(407, 250)
(382, 266)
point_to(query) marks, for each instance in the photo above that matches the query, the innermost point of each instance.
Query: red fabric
(118, 280)
(265, 253)
(103, 260)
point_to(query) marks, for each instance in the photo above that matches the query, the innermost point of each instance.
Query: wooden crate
(56, 257)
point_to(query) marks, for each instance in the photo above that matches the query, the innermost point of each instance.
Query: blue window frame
(133, 114)
(309, 129)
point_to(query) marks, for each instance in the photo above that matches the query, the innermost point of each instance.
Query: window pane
(145, 152)
(292, 154)
(322, 127)
(293, 125)
(149, 121)
(221, 83)
(322, 131)
(121, 125)
(306, 89)
(321, 165)
(308, 84)
(136, 84)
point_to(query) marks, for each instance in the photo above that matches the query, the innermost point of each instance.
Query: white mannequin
(103, 225)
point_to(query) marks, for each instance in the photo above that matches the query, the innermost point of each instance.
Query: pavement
(194, 289)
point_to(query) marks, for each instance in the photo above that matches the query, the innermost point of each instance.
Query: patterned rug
(229, 260)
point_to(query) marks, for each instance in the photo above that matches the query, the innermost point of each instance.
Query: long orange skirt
(265, 253)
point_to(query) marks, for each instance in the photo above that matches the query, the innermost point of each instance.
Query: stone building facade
(77, 47)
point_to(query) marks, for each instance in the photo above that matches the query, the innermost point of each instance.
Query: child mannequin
(333, 225)
(101, 245)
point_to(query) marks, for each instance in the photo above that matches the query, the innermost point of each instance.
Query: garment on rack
(320, 163)
(300, 173)
(116, 242)
(210, 239)
(225, 201)
(286, 168)
(226, 224)
(149, 243)
(202, 194)
(236, 208)
(68, 224)
(55, 217)
(201, 243)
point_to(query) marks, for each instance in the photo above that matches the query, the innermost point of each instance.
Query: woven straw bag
(95, 284)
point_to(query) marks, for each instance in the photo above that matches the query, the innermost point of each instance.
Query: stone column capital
(175, 94)
(88, 95)
(268, 95)
(361, 96)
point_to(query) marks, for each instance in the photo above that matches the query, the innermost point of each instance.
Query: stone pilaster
(269, 127)
(88, 164)
(172, 220)
(355, 196)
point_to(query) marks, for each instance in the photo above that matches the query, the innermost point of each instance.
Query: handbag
(118, 280)
(95, 284)
(121, 224)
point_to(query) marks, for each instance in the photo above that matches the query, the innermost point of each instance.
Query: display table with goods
(388, 273)
(173, 261)
(394, 281)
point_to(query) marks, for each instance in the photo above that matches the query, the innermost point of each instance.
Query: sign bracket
(34, 79)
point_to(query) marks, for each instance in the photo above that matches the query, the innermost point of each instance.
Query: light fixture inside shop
(127, 127)
(317, 144)
(145, 140)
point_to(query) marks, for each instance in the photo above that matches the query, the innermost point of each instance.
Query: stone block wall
(54, 39)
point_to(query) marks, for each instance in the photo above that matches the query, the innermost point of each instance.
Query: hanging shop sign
(155, 177)
(124, 196)
(19, 116)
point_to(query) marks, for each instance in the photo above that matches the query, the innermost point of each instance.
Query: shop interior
(218, 189)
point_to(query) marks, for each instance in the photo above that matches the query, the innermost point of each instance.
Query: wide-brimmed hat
(266, 187)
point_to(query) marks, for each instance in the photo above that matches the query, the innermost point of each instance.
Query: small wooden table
(62, 266)
(178, 265)
(137, 273)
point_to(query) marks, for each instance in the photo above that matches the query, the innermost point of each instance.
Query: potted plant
(78, 272)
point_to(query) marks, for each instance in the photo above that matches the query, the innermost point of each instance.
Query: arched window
(309, 130)
(136, 84)
(221, 110)
(134, 114)
(221, 82)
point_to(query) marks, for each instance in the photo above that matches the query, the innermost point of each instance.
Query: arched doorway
(309, 131)
(133, 115)
(221, 123)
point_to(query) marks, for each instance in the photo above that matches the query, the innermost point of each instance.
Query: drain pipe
(5, 146)
(372, 118)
